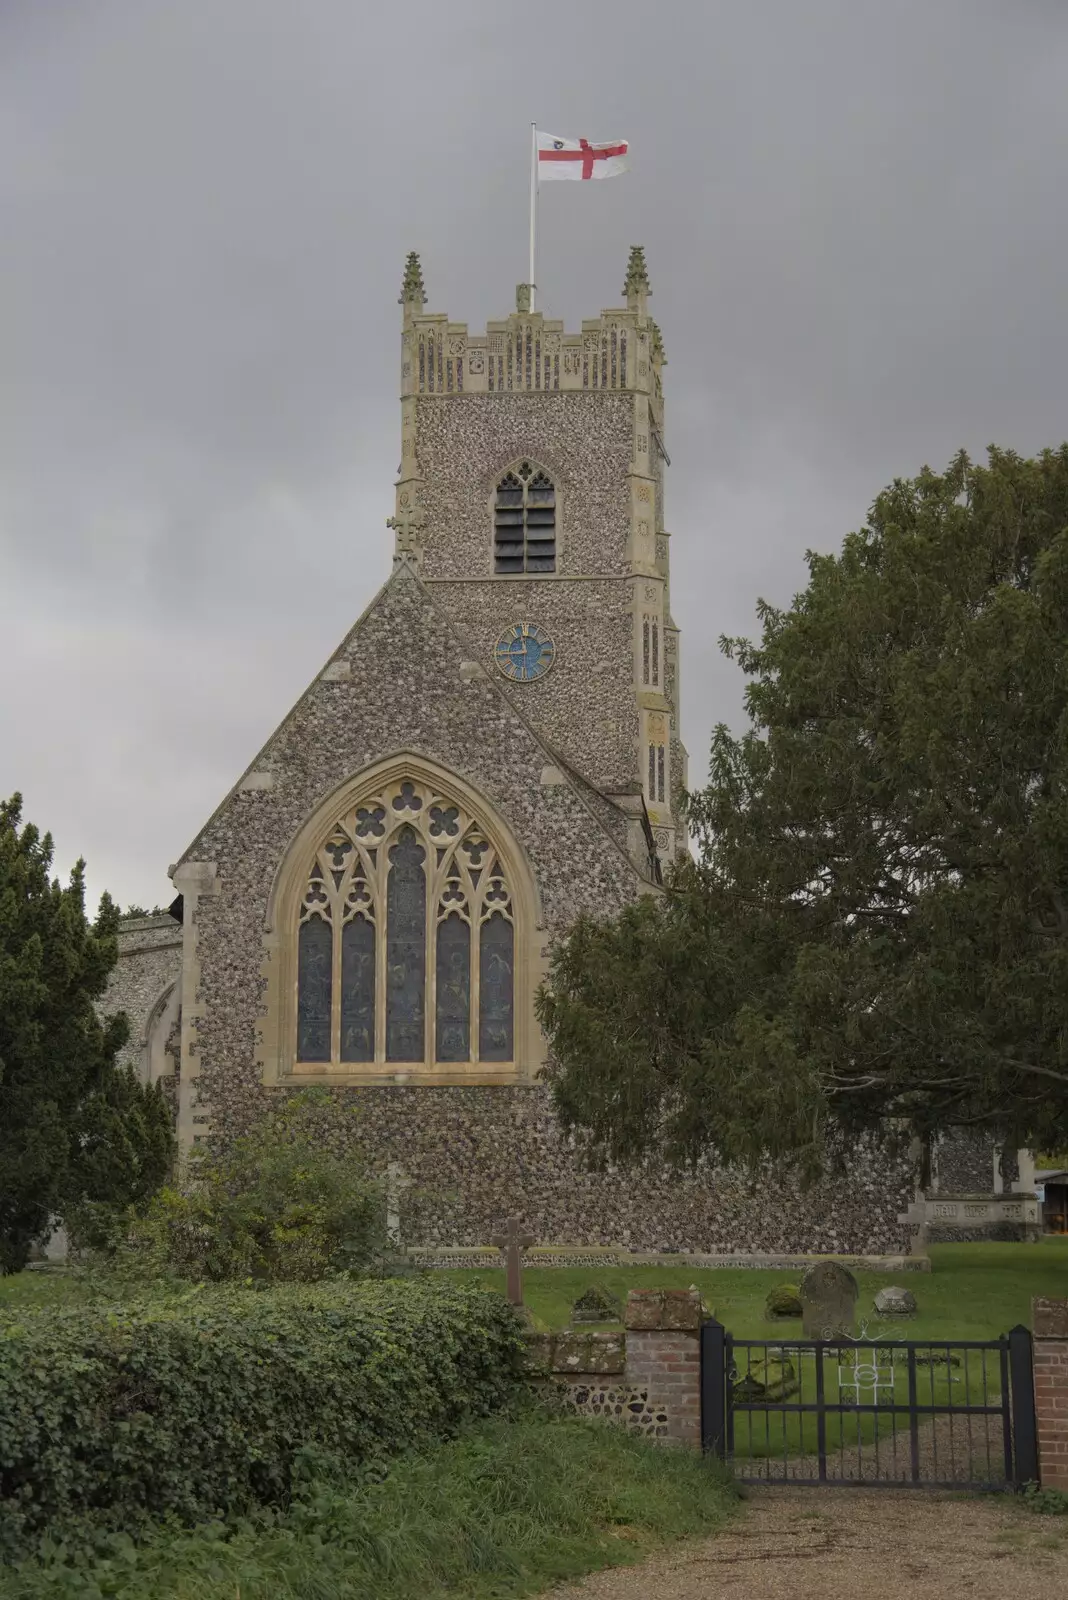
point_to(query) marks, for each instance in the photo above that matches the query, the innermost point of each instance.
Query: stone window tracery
(406, 938)
(524, 521)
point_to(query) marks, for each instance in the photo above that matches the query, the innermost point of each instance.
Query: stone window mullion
(351, 880)
(430, 958)
(477, 904)
(381, 949)
(337, 918)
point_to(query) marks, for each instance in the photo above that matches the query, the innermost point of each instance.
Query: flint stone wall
(964, 1163)
(407, 684)
(647, 1378)
(150, 961)
(477, 1155)
(473, 1155)
(585, 706)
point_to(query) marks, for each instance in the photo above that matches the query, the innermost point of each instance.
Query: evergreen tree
(73, 1126)
(874, 931)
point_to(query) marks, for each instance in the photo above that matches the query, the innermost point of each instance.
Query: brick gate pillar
(1050, 1321)
(664, 1356)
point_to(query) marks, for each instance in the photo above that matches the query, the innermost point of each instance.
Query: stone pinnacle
(412, 291)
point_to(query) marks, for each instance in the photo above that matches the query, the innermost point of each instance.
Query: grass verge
(506, 1509)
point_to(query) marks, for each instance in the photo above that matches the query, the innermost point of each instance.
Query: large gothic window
(406, 938)
(524, 522)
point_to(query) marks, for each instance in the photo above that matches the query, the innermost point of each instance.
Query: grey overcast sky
(854, 213)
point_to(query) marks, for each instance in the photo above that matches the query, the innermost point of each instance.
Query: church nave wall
(406, 694)
(149, 964)
(473, 1156)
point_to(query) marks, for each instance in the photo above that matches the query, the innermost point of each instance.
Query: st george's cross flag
(578, 158)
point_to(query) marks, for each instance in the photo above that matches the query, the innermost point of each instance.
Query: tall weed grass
(506, 1509)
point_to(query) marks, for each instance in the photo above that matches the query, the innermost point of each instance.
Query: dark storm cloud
(855, 231)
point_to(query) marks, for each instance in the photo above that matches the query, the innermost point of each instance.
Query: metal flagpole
(533, 203)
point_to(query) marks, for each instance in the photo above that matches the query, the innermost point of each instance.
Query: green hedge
(200, 1407)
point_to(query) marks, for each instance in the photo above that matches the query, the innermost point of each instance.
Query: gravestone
(895, 1302)
(828, 1301)
(769, 1377)
(512, 1242)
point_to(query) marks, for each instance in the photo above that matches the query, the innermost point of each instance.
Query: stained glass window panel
(358, 991)
(496, 963)
(314, 990)
(406, 950)
(454, 989)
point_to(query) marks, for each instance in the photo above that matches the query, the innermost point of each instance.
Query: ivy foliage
(286, 1202)
(874, 930)
(203, 1406)
(74, 1126)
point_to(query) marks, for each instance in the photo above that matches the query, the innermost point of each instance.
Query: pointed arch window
(406, 938)
(524, 521)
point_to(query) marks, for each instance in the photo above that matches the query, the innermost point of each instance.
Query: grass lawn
(973, 1291)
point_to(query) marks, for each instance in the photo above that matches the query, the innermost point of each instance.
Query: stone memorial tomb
(596, 1305)
(894, 1301)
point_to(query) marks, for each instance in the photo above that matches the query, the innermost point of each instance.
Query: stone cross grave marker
(513, 1241)
(828, 1301)
(396, 1183)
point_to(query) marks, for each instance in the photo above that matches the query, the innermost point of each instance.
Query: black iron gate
(888, 1413)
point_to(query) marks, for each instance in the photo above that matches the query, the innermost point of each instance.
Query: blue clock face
(524, 652)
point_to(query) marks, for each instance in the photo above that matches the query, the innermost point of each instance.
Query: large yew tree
(874, 930)
(73, 1125)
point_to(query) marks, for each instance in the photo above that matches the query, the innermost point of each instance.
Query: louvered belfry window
(524, 521)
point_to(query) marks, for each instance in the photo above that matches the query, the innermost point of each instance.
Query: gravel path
(856, 1544)
(950, 1449)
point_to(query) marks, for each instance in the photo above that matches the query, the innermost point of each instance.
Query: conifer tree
(874, 930)
(74, 1126)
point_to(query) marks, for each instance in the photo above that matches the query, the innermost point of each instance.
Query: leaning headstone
(828, 1301)
(769, 1377)
(596, 1305)
(895, 1302)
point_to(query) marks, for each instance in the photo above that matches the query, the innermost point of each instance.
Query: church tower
(489, 754)
(530, 502)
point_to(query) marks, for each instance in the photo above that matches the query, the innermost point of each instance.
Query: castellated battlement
(620, 349)
(529, 352)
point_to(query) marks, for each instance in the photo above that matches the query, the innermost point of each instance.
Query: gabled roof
(404, 576)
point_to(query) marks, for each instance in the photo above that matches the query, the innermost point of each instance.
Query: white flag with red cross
(578, 158)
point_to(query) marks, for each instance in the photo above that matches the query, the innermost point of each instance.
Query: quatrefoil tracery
(350, 875)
